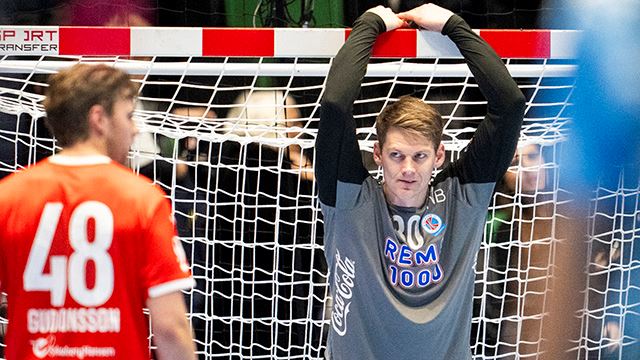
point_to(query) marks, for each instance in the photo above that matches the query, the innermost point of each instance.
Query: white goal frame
(244, 308)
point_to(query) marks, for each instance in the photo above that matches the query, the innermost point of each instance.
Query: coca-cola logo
(344, 276)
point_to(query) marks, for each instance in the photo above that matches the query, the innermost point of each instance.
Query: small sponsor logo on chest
(432, 224)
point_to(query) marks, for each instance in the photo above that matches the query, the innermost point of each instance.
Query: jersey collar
(79, 160)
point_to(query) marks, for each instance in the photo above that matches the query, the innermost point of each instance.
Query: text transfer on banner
(23, 40)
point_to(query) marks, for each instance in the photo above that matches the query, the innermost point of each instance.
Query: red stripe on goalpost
(237, 42)
(400, 43)
(519, 43)
(94, 41)
(394, 44)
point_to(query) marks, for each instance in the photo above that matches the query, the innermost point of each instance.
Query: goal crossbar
(268, 42)
(397, 69)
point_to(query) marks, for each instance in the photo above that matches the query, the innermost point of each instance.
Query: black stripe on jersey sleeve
(489, 153)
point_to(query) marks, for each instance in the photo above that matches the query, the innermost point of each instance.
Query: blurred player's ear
(97, 119)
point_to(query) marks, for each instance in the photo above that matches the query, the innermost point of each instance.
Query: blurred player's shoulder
(118, 183)
(130, 181)
(27, 179)
(95, 174)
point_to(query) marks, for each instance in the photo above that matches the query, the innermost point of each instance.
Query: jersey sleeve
(338, 157)
(489, 153)
(165, 269)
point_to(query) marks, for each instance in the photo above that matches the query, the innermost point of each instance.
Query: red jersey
(84, 243)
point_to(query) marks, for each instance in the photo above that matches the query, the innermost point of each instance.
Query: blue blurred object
(603, 148)
(606, 130)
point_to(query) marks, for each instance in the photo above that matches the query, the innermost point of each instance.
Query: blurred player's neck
(88, 147)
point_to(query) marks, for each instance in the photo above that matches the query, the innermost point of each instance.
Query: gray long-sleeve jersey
(395, 297)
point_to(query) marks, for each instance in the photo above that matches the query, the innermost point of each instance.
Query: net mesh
(234, 154)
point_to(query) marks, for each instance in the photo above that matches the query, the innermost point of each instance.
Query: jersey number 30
(71, 272)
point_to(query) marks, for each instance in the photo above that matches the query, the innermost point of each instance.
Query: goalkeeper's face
(407, 160)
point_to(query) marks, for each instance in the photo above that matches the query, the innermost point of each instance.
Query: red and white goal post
(228, 120)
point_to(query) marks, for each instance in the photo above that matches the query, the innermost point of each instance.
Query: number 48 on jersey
(70, 272)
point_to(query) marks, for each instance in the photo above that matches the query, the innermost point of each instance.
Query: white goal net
(230, 137)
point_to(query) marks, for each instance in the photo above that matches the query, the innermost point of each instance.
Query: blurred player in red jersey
(86, 243)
